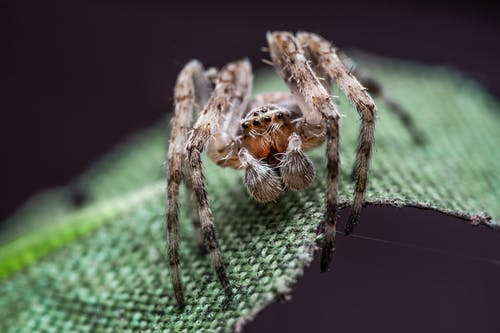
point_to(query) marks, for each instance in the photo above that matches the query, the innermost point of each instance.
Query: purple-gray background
(78, 76)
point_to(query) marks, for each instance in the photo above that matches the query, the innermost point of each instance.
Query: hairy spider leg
(231, 91)
(376, 89)
(325, 55)
(189, 91)
(320, 119)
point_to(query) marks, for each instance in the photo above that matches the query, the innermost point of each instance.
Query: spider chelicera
(267, 136)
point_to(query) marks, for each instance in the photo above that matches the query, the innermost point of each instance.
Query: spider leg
(320, 119)
(326, 56)
(376, 89)
(320, 72)
(332, 167)
(226, 141)
(203, 88)
(193, 211)
(232, 84)
(190, 90)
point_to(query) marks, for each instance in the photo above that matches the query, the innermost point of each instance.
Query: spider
(266, 136)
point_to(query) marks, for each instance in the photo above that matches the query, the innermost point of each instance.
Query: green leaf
(103, 266)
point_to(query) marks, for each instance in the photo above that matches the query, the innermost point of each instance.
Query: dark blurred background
(79, 76)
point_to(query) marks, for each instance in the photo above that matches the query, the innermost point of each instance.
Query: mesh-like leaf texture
(102, 267)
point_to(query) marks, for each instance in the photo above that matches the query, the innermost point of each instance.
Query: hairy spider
(267, 136)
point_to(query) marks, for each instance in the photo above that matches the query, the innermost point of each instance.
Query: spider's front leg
(324, 55)
(231, 90)
(320, 119)
(191, 90)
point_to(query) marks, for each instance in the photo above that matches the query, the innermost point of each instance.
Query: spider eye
(280, 115)
(267, 119)
(244, 125)
(256, 123)
(255, 114)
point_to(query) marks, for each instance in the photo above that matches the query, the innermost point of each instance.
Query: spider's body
(269, 133)
(267, 136)
(272, 118)
(264, 131)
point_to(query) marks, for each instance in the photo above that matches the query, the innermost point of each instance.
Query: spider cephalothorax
(266, 130)
(269, 140)
(266, 135)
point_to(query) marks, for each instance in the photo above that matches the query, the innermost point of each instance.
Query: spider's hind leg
(376, 89)
(404, 116)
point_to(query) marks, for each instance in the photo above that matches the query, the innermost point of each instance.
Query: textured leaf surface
(103, 267)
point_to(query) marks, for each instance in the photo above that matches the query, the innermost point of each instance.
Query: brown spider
(267, 136)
